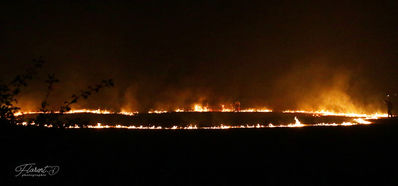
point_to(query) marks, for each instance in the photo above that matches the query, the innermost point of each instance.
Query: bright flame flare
(200, 108)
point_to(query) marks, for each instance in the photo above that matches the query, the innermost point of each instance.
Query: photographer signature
(31, 170)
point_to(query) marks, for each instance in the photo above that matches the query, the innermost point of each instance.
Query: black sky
(281, 54)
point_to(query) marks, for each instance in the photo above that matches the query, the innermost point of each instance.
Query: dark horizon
(283, 55)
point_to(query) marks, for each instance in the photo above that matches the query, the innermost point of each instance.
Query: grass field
(202, 119)
(356, 155)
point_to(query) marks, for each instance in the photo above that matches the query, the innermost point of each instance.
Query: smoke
(130, 104)
(323, 85)
(263, 55)
(317, 84)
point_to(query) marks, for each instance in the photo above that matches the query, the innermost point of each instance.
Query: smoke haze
(282, 55)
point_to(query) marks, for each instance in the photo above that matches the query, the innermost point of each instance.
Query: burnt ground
(357, 155)
(203, 119)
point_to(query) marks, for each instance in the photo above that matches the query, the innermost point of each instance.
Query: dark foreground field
(201, 119)
(357, 155)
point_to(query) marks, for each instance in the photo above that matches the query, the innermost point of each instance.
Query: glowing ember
(191, 127)
(157, 111)
(80, 111)
(74, 127)
(100, 126)
(22, 113)
(357, 121)
(329, 113)
(256, 110)
(98, 111)
(362, 121)
(223, 108)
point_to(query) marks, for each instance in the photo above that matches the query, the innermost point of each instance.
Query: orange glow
(330, 113)
(256, 110)
(157, 111)
(224, 109)
(98, 111)
(297, 123)
(128, 113)
(200, 108)
(359, 118)
(80, 111)
(362, 121)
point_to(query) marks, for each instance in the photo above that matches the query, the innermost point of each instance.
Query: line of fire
(199, 116)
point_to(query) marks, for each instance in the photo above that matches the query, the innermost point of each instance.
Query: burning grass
(201, 119)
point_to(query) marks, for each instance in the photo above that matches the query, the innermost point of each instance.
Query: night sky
(338, 55)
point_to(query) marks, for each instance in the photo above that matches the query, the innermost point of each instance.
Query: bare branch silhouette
(51, 80)
(85, 94)
(9, 91)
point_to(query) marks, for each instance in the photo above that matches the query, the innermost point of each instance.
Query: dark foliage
(9, 91)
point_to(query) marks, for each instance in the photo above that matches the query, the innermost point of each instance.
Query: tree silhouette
(51, 117)
(9, 91)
